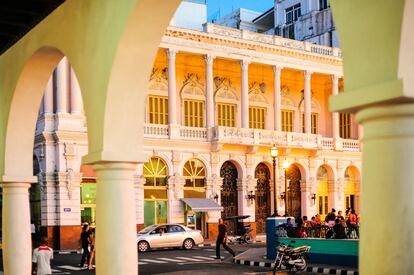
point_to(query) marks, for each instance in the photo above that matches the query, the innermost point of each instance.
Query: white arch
(200, 158)
(165, 159)
(241, 172)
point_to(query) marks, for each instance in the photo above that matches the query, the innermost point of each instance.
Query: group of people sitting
(334, 226)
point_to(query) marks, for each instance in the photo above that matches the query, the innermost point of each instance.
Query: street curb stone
(313, 269)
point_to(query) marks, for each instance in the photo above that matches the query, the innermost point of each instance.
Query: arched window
(155, 172)
(258, 106)
(227, 102)
(155, 191)
(157, 101)
(194, 173)
(193, 98)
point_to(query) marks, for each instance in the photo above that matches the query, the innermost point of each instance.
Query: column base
(62, 237)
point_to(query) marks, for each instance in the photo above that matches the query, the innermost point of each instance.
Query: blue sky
(226, 6)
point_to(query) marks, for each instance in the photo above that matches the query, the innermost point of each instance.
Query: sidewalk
(257, 257)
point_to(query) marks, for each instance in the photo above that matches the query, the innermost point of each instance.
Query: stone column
(172, 88)
(209, 92)
(139, 182)
(277, 98)
(48, 97)
(387, 188)
(115, 218)
(75, 94)
(336, 195)
(335, 115)
(308, 206)
(213, 185)
(17, 244)
(175, 193)
(307, 101)
(62, 84)
(244, 186)
(245, 93)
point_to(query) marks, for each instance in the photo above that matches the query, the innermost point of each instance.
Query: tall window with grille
(194, 113)
(314, 123)
(257, 117)
(158, 109)
(345, 125)
(287, 120)
(226, 114)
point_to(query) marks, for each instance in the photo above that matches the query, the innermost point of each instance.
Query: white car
(168, 235)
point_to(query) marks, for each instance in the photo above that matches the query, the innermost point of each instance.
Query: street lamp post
(274, 152)
(286, 166)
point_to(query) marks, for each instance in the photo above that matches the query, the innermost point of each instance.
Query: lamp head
(274, 151)
(285, 164)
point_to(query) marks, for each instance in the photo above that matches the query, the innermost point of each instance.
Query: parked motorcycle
(289, 258)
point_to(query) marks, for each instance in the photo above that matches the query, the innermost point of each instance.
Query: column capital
(244, 64)
(15, 185)
(209, 59)
(171, 53)
(277, 69)
(307, 74)
(114, 165)
(335, 77)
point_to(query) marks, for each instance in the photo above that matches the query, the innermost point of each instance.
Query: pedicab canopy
(202, 205)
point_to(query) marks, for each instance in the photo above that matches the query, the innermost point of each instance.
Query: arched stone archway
(263, 200)
(294, 198)
(229, 194)
(351, 188)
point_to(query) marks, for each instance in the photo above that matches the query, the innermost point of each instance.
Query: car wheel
(188, 244)
(143, 246)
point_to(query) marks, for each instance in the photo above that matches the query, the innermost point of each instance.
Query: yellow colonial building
(218, 100)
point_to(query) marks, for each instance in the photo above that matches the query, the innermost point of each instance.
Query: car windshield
(147, 229)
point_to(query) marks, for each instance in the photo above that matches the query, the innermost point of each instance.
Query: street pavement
(199, 260)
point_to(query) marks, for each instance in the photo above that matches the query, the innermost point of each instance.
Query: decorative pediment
(224, 89)
(287, 101)
(256, 92)
(192, 85)
(314, 105)
(284, 90)
(158, 80)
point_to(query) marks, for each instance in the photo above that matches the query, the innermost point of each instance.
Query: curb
(313, 269)
(213, 244)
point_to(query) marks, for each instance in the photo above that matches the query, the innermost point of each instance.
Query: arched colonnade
(111, 47)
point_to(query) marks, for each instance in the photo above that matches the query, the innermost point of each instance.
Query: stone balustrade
(254, 137)
(156, 131)
(194, 133)
(271, 39)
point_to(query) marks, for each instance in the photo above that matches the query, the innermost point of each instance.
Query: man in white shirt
(41, 258)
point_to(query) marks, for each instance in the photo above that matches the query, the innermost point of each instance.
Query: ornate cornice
(285, 49)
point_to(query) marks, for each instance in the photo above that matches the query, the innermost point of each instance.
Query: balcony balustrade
(253, 137)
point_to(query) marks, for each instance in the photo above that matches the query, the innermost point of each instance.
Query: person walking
(222, 240)
(41, 258)
(93, 247)
(85, 242)
(353, 221)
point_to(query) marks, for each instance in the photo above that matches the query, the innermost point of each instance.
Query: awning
(202, 205)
